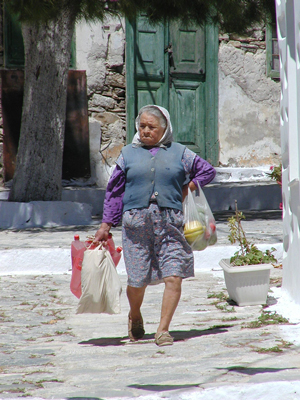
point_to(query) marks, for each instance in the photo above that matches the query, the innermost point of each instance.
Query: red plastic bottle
(77, 250)
(114, 252)
(111, 244)
(89, 244)
(116, 256)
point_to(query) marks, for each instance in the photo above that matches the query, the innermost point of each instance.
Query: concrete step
(254, 196)
(250, 196)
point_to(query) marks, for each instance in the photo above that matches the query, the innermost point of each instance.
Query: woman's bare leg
(135, 321)
(170, 301)
(135, 297)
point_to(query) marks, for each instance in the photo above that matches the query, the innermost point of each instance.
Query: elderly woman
(148, 185)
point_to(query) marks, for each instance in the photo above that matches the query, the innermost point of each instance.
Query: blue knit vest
(162, 174)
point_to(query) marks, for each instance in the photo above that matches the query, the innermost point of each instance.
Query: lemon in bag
(193, 230)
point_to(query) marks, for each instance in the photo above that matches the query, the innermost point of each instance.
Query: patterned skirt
(154, 246)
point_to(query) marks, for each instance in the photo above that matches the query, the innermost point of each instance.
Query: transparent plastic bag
(199, 222)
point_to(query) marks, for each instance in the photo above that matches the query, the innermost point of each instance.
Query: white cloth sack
(101, 285)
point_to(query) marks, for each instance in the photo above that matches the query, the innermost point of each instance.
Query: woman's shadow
(179, 336)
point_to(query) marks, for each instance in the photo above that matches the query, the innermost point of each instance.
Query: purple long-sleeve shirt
(197, 170)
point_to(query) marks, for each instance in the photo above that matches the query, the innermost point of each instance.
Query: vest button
(156, 193)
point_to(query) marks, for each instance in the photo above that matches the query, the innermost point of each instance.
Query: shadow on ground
(253, 371)
(163, 388)
(178, 336)
(84, 398)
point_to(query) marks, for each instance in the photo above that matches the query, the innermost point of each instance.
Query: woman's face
(150, 129)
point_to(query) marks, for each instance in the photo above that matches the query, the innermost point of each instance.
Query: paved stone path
(48, 351)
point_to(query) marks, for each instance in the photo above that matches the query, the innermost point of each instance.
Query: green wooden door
(175, 67)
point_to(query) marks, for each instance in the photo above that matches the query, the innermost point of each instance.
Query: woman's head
(151, 128)
(154, 126)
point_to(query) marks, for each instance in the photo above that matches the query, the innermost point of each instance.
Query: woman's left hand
(185, 188)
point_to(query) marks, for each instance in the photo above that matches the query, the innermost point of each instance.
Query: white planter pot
(248, 284)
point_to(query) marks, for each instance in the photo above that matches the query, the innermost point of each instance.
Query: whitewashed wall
(288, 29)
(249, 131)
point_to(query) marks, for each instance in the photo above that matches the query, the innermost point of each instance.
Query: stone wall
(100, 50)
(249, 127)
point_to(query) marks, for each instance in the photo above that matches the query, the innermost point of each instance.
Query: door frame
(211, 88)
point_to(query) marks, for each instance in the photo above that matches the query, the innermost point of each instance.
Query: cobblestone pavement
(48, 351)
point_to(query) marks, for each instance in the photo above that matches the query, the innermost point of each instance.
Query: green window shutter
(272, 52)
(73, 53)
(13, 43)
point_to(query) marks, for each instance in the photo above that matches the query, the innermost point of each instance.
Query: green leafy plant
(276, 173)
(275, 349)
(220, 298)
(267, 318)
(248, 254)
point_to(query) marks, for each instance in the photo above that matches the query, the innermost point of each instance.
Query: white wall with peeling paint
(249, 128)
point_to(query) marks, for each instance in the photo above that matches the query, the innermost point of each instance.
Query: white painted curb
(43, 261)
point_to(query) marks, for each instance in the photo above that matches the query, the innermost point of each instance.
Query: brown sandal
(163, 339)
(135, 329)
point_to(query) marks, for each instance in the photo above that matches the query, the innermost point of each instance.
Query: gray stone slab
(43, 214)
(15, 215)
(57, 213)
(249, 196)
(90, 195)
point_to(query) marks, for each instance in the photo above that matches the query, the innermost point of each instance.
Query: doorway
(176, 67)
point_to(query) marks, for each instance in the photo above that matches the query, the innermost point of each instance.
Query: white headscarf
(168, 134)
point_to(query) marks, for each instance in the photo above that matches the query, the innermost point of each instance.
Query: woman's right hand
(102, 233)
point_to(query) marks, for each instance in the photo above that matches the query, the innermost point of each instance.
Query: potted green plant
(247, 272)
